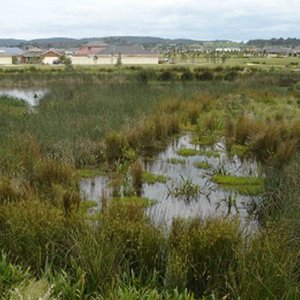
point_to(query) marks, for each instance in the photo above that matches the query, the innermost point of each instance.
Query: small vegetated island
(227, 141)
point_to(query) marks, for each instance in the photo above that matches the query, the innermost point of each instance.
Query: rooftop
(10, 51)
(135, 49)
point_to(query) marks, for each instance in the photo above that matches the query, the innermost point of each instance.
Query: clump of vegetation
(10, 275)
(115, 144)
(168, 75)
(211, 245)
(133, 201)
(88, 173)
(137, 175)
(193, 110)
(87, 205)
(193, 152)
(202, 165)
(297, 87)
(187, 152)
(209, 153)
(186, 190)
(239, 150)
(176, 161)
(242, 185)
(205, 140)
(151, 178)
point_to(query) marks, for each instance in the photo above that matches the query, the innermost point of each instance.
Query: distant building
(51, 56)
(91, 49)
(297, 52)
(5, 58)
(97, 53)
(71, 51)
(8, 54)
(33, 56)
(228, 49)
(277, 51)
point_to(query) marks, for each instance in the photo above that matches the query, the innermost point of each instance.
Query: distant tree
(119, 60)
(224, 57)
(67, 62)
(213, 57)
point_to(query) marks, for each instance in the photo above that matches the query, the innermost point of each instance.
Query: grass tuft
(151, 178)
(243, 185)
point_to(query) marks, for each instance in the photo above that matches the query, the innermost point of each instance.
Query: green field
(103, 121)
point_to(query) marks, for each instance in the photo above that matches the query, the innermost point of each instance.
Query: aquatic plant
(137, 175)
(202, 165)
(187, 152)
(176, 161)
(134, 201)
(209, 153)
(205, 139)
(115, 142)
(243, 185)
(88, 173)
(151, 178)
(185, 189)
(230, 202)
(239, 150)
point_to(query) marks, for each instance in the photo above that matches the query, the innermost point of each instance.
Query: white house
(103, 54)
(8, 53)
(51, 56)
(228, 49)
(5, 58)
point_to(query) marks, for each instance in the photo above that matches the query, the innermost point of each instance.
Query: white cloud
(200, 19)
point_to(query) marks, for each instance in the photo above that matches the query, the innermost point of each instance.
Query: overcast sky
(198, 19)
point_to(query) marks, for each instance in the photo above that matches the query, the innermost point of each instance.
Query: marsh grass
(151, 178)
(137, 174)
(202, 165)
(88, 173)
(239, 150)
(186, 152)
(243, 185)
(176, 161)
(203, 254)
(185, 189)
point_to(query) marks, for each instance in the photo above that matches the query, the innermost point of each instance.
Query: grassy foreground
(53, 249)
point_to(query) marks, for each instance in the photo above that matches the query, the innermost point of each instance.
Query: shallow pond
(212, 200)
(31, 96)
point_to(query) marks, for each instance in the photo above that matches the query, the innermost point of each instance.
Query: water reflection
(31, 96)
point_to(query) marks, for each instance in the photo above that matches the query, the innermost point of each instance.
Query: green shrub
(187, 75)
(10, 276)
(204, 76)
(115, 143)
(203, 254)
(168, 75)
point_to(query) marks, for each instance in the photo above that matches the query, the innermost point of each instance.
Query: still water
(212, 200)
(31, 96)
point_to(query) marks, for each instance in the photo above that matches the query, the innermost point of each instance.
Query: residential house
(228, 49)
(97, 53)
(276, 51)
(9, 55)
(33, 56)
(88, 53)
(51, 56)
(131, 55)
